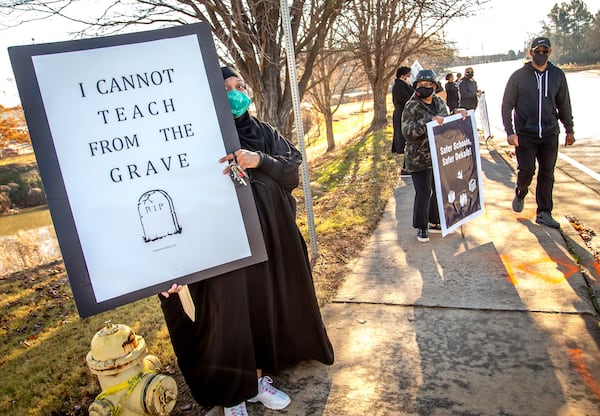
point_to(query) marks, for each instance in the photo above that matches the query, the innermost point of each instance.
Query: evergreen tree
(592, 40)
(568, 28)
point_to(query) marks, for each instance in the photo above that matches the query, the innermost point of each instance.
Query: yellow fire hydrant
(127, 375)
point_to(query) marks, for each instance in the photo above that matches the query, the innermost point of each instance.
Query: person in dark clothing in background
(451, 93)
(401, 92)
(468, 91)
(264, 317)
(539, 95)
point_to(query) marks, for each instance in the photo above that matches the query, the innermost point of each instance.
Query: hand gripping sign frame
(456, 163)
(127, 131)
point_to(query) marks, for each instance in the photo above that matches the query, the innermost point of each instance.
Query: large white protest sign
(128, 131)
(456, 163)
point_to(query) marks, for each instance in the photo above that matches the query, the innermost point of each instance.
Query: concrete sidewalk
(493, 319)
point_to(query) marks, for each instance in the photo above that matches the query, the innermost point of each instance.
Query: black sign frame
(54, 184)
(456, 161)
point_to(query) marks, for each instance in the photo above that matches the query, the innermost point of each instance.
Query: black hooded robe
(264, 316)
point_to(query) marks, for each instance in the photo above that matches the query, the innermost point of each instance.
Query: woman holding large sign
(264, 317)
(424, 106)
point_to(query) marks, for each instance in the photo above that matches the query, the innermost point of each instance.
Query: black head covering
(253, 134)
(229, 72)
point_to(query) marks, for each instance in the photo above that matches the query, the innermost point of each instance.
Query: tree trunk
(271, 105)
(379, 106)
(328, 116)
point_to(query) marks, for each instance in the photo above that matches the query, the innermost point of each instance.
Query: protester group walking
(536, 95)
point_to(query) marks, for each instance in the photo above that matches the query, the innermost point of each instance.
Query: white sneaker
(269, 396)
(239, 410)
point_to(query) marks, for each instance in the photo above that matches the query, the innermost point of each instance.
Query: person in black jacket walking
(539, 95)
(401, 92)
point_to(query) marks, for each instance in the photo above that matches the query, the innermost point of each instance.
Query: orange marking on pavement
(577, 359)
(507, 265)
(596, 267)
(529, 268)
(571, 270)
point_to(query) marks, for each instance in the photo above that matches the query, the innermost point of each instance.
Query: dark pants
(398, 141)
(425, 209)
(545, 151)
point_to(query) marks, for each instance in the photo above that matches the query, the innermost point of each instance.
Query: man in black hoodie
(539, 95)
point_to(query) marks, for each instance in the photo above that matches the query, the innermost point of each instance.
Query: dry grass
(43, 343)
(354, 184)
(20, 159)
(577, 68)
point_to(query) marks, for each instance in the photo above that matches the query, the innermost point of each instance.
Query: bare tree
(248, 35)
(385, 33)
(335, 73)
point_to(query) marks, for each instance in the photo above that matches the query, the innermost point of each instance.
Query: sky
(502, 25)
(499, 26)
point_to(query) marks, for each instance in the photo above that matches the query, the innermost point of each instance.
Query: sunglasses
(541, 51)
(469, 73)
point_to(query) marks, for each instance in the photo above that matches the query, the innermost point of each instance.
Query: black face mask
(468, 75)
(540, 59)
(424, 92)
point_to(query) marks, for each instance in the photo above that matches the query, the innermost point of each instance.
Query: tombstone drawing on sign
(157, 215)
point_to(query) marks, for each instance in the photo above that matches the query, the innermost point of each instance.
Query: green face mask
(239, 102)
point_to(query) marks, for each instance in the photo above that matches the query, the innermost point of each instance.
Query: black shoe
(546, 219)
(422, 235)
(518, 204)
(435, 228)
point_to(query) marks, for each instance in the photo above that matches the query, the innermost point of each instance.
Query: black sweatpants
(425, 208)
(545, 151)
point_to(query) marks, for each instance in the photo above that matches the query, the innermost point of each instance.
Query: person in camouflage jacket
(415, 117)
(423, 107)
